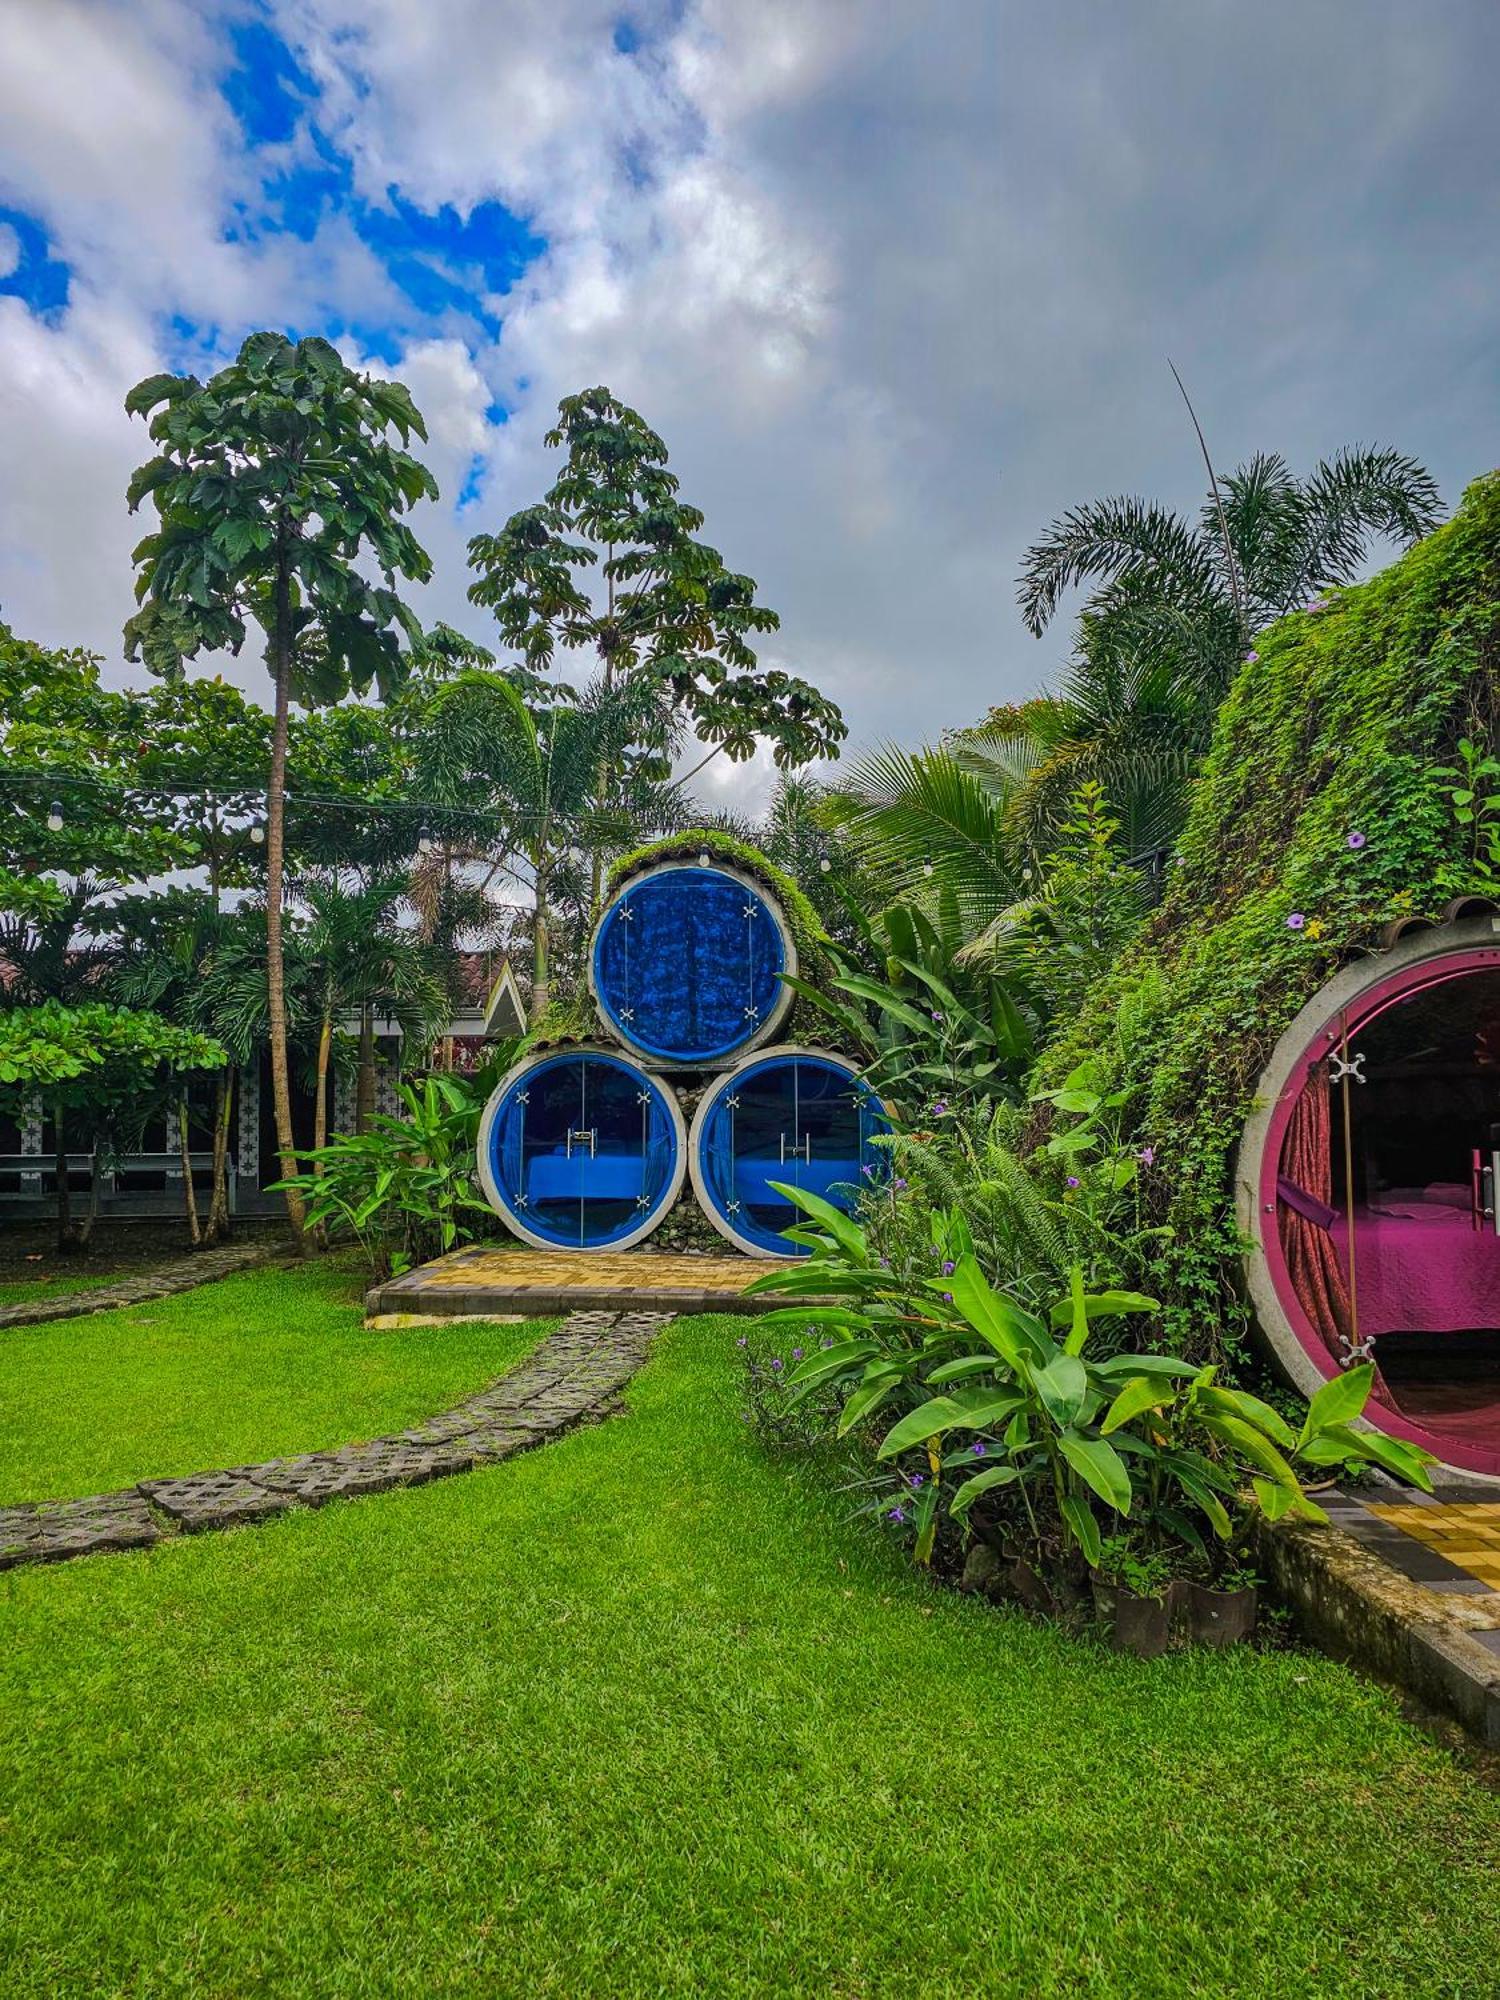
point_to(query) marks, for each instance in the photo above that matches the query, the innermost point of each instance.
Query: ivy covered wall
(1319, 818)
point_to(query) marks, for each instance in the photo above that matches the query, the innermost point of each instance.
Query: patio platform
(509, 1279)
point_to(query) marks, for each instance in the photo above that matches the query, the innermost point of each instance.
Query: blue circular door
(687, 963)
(788, 1118)
(581, 1150)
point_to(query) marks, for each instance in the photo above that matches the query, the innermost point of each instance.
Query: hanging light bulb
(825, 865)
(926, 867)
(257, 835)
(703, 860)
(424, 841)
(55, 817)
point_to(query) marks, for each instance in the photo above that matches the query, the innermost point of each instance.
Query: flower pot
(1219, 1617)
(1138, 1625)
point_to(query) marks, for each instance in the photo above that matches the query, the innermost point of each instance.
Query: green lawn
(55, 1284)
(640, 1713)
(254, 1366)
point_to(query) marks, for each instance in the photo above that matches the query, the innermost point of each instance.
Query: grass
(54, 1284)
(642, 1714)
(255, 1366)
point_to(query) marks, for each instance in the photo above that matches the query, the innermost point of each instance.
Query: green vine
(1322, 815)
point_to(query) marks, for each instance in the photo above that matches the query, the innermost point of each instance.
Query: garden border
(181, 1274)
(574, 1377)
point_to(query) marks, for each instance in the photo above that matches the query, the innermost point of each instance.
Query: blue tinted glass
(686, 964)
(583, 1149)
(798, 1121)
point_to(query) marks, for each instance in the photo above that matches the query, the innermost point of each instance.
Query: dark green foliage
(673, 615)
(1335, 730)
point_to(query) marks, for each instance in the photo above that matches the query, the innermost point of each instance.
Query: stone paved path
(159, 1282)
(574, 1377)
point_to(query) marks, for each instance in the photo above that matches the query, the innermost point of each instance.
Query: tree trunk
(281, 1086)
(541, 971)
(86, 1234)
(364, 1090)
(189, 1192)
(320, 1107)
(66, 1238)
(218, 1207)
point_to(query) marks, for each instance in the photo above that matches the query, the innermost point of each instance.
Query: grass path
(638, 1714)
(254, 1366)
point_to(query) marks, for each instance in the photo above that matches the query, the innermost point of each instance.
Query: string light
(257, 835)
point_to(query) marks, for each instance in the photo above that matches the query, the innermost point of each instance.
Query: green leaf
(1080, 1518)
(1062, 1386)
(1140, 1394)
(982, 1482)
(1012, 1333)
(929, 1419)
(1104, 1305)
(1101, 1467)
(1238, 1403)
(866, 1399)
(850, 1238)
(1341, 1398)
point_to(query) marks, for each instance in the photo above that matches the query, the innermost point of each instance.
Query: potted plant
(1135, 1594)
(1221, 1613)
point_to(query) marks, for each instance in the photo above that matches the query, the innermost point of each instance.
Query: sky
(896, 282)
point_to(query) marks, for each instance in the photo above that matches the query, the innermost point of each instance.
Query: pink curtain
(1311, 1260)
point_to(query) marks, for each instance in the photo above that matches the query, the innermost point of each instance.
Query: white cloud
(10, 250)
(895, 284)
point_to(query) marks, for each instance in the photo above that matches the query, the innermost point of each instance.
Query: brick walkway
(159, 1282)
(574, 1377)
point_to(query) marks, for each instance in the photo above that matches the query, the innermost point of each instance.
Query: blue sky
(897, 284)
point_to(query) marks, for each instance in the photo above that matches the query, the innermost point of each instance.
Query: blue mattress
(609, 1177)
(753, 1178)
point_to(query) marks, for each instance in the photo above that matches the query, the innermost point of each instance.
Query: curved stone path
(574, 1377)
(159, 1281)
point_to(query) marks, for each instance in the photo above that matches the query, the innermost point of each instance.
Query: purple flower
(1147, 1156)
(979, 1447)
(914, 1480)
(899, 1186)
(1357, 840)
(796, 1354)
(1296, 921)
(1251, 657)
(948, 1297)
(776, 1366)
(936, 1015)
(887, 1262)
(1073, 1180)
(868, 1171)
(826, 1341)
(949, 1267)
(940, 1108)
(743, 1341)
(898, 1515)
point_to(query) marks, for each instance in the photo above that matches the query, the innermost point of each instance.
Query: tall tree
(530, 774)
(669, 613)
(272, 481)
(1174, 611)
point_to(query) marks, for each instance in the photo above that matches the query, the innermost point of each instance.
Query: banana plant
(993, 1400)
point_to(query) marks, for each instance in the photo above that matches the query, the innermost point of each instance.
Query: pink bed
(1422, 1266)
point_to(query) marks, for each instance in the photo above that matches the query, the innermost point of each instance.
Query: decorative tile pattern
(574, 1377)
(1464, 1533)
(480, 1279)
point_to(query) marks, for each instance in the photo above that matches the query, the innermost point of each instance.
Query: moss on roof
(1319, 800)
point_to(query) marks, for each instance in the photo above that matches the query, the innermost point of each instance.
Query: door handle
(589, 1139)
(796, 1152)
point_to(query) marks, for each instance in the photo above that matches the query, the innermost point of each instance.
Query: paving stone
(18, 1531)
(106, 1521)
(575, 1377)
(215, 1499)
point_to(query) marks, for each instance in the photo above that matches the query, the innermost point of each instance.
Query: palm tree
(1176, 607)
(529, 777)
(362, 959)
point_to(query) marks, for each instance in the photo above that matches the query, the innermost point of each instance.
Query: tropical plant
(273, 483)
(92, 1065)
(1176, 606)
(996, 1403)
(673, 618)
(529, 774)
(405, 1188)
